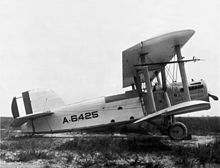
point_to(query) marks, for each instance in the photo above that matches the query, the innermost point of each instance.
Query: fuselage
(117, 109)
(98, 112)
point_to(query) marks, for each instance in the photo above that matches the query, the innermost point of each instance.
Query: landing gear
(177, 131)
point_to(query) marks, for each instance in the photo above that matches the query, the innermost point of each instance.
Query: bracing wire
(169, 74)
(174, 67)
(172, 73)
(177, 72)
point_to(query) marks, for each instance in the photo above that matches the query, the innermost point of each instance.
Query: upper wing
(186, 107)
(158, 49)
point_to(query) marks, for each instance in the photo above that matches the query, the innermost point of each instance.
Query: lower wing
(182, 108)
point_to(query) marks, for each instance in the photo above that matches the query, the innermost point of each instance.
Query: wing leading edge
(182, 108)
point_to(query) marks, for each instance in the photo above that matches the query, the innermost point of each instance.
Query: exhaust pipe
(213, 96)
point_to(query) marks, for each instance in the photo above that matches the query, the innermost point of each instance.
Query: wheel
(177, 131)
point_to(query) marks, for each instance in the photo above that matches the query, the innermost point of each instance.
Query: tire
(177, 131)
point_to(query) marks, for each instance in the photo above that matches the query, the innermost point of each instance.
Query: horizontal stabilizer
(182, 108)
(35, 101)
(21, 120)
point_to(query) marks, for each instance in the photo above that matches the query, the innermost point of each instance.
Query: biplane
(150, 98)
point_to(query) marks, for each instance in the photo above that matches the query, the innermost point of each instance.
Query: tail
(35, 101)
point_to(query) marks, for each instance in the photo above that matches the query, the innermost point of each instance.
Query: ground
(132, 146)
(106, 150)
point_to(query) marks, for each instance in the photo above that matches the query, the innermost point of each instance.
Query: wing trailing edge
(182, 108)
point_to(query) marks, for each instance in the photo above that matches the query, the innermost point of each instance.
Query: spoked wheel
(177, 131)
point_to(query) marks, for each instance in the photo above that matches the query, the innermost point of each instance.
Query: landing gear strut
(177, 131)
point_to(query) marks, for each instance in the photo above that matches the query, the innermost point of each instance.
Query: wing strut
(182, 73)
(149, 100)
(168, 119)
(164, 84)
(150, 95)
(137, 81)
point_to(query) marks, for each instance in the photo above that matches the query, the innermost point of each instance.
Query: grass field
(131, 150)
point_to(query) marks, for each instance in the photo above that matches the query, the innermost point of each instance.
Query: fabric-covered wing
(182, 108)
(156, 50)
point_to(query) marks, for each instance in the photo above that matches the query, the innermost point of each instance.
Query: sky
(75, 47)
